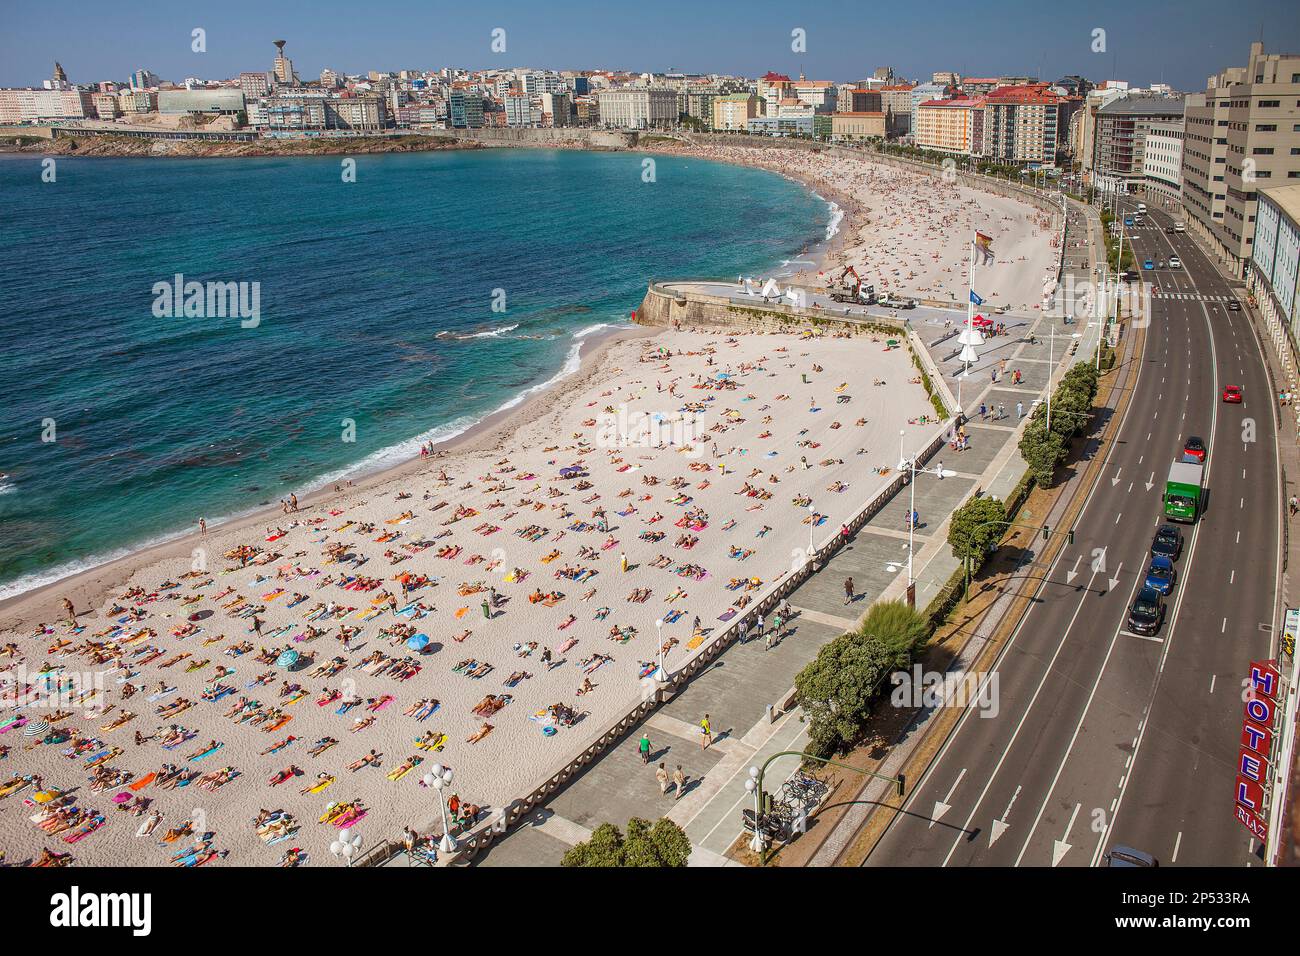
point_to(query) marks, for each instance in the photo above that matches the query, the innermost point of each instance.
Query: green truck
(1184, 496)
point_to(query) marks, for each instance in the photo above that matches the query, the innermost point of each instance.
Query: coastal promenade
(747, 691)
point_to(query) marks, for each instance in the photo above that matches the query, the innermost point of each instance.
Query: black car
(1129, 275)
(1168, 542)
(1234, 305)
(1147, 613)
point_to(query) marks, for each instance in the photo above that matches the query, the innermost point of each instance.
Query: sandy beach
(908, 233)
(489, 606)
(706, 509)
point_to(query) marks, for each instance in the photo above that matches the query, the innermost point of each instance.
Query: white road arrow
(1114, 582)
(1001, 826)
(942, 806)
(1071, 574)
(1115, 481)
(1061, 847)
(1150, 482)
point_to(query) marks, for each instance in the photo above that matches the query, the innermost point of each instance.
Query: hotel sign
(1256, 746)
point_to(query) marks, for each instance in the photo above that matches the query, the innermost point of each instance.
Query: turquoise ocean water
(375, 306)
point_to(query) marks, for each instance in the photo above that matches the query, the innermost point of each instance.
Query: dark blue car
(1160, 574)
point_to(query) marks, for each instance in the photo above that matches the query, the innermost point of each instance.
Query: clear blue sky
(846, 39)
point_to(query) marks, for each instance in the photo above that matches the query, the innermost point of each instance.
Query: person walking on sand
(622, 562)
(706, 733)
(70, 611)
(203, 527)
(487, 609)
(661, 774)
(645, 748)
(679, 782)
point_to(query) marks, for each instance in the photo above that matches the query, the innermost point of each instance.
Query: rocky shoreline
(108, 145)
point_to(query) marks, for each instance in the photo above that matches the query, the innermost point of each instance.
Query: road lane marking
(1062, 846)
(943, 806)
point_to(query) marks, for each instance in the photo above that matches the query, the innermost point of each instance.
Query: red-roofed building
(1022, 124)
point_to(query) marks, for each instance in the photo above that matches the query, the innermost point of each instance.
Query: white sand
(516, 755)
(909, 233)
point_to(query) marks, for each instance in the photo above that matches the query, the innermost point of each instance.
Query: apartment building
(255, 85)
(771, 89)
(632, 108)
(465, 108)
(734, 111)
(522, 110)
(819, 94)
(1119, 141)
(896, 104)
(922, 93)
(39, 106)
(951, 126)
(1162, 162)
(1021, 124)
(1242, 134)
(858, 100)
(1274, 272)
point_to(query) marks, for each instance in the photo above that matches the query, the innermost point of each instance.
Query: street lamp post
(812, 521)
(751, 785)
(659, 672)
(439, 777)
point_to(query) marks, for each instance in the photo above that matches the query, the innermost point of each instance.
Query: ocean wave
(837, 216)
(486, 334)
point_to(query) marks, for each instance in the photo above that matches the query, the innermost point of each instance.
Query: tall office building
(1241, 134)
(1119, 143)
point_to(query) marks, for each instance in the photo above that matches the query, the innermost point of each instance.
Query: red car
(1232, 393)
(1194, 449)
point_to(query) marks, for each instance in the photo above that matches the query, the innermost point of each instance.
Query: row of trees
(662, 843)
(837, 689)
(1043, 448)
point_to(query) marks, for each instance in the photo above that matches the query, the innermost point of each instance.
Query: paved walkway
(740, 689)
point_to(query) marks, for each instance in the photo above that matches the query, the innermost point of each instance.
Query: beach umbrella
(419, 642)
(288, 658)
(37, 728)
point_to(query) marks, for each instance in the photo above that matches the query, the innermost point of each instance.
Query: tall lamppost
(812, 521)
(439, 778)
(751, 785)
(659, 674)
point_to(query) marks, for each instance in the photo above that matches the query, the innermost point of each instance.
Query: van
(1142, 209)
(1180, 227)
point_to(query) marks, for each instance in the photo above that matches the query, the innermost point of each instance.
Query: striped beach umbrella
(37, 728)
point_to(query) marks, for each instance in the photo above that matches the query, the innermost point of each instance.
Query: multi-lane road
(1103, 737)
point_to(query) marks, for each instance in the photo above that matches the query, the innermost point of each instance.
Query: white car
(1175, 262)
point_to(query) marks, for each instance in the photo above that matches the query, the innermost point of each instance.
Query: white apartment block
(630, 108)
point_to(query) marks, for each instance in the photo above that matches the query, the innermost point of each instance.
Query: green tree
(661, 844)
(1042, 450)
(835, 690)
(976, 527)
(901, 629)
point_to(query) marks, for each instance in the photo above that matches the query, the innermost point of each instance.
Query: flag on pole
(985, 245)
(975, 297)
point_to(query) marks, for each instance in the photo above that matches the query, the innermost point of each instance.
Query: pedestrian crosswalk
(1193, 296)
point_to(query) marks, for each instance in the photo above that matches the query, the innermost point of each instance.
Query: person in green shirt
(645, 748)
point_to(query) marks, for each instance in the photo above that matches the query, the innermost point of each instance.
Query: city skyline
(1142, 46)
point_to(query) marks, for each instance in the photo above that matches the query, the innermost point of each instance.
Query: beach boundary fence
(501, 823)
